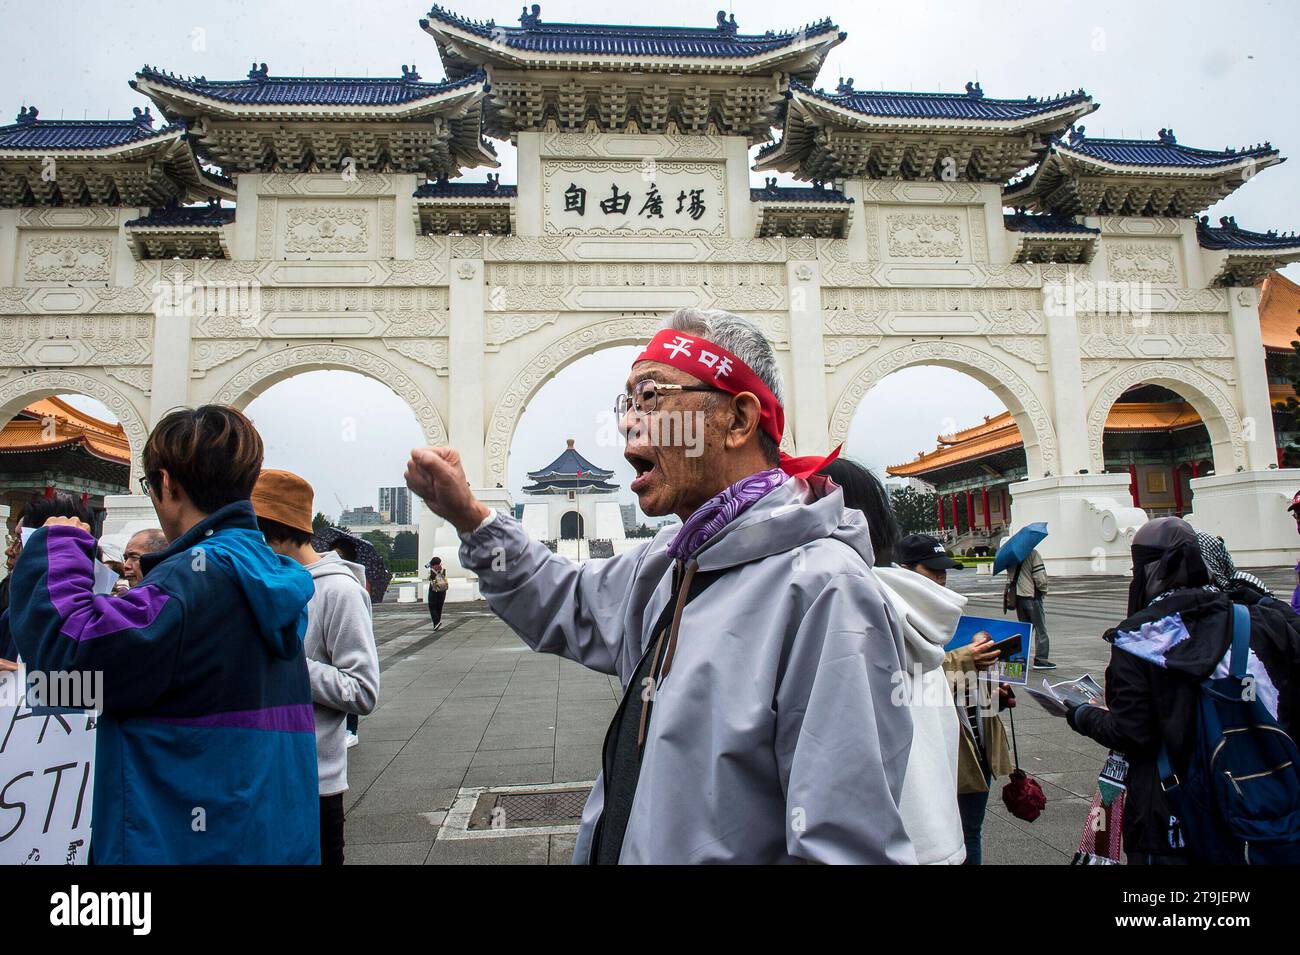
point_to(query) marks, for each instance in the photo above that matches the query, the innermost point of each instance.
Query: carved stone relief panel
(925, 233)
(631, 146)
(336, 230)
(52, 256)
(1136, 261)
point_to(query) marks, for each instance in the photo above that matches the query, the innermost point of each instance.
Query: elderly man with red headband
(760, 660)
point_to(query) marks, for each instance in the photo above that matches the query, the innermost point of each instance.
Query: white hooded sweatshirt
(929, 614)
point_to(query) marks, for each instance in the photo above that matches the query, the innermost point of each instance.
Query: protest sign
(46, 781)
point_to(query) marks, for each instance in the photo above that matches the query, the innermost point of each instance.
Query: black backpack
(1239, 801)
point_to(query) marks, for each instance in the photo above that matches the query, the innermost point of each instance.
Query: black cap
(926, 550)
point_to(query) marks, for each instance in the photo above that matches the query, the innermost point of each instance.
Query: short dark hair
(277, 533)
(213, 452)
(59, 504)
(863, 491)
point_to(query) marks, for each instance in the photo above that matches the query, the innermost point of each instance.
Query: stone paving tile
(506, 850)
(374, 828)
(389, 853)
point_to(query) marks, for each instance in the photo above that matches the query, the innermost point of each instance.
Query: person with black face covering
(1177, 633)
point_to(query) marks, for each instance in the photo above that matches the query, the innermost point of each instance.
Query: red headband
(718, 367)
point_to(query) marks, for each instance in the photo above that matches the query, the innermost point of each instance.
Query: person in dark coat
(1177, 633)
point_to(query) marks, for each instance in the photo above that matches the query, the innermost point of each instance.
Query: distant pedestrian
(205, 747)
(437, 590)
(151, 540)
(340, 641)
(1029, 584)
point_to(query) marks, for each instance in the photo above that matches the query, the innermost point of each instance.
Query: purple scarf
(721, 509)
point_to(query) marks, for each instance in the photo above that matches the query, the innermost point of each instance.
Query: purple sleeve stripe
(70, 581)
(296, 718)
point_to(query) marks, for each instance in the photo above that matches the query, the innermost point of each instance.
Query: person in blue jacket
(206, 745)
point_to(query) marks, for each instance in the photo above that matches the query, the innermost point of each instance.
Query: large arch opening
(948, 450)
(53, 438)
(1163, 425)
(1158, 438)
(349, 436)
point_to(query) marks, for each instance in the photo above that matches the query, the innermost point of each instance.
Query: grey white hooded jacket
(928, 614)
(342, 661)
(773, 738)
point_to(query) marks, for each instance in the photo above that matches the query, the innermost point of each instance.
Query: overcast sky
(1217, 74)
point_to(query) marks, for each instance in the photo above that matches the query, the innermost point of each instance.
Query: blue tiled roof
(261, 89)
(1163, 151)
(971, 105)
(177, 215)
(593, 39)
(813, 193)
(443, 189)
(567, 466)
(1227, 235)
(1047, 222)
(33, 133)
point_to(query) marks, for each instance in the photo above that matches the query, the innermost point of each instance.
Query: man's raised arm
(554, 604)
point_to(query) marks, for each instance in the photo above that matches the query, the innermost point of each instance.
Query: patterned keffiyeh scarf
(721, 509)
(1102, 838)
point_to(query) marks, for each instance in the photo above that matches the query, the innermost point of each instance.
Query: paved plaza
(469, 709)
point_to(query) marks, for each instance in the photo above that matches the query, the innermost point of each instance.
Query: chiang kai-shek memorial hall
(234, 232)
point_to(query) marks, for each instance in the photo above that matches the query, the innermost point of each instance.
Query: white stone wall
(328, 272)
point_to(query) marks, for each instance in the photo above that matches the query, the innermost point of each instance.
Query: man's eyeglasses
(645, 395)
(144, 485)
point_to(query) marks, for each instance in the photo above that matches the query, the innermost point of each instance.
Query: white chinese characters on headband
(681, 345)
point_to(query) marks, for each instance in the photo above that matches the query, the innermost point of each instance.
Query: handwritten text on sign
(46, 784)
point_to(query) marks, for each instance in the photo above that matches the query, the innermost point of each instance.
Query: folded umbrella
(377, 573)
(1017, 548)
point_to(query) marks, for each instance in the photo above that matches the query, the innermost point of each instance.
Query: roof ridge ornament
(27, 116)
(258, 73)
(1167, 137)
(410, 76)
(727, 27)
(845, 87)
(1076, 134)
(533, 20)
(974, 90)
(142, 117)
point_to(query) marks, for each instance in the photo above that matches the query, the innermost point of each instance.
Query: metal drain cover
(529, 810)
